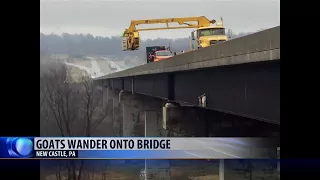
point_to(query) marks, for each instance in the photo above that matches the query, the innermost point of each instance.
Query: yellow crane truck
(208, 32)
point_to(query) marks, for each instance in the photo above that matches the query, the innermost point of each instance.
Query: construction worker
(151, 57)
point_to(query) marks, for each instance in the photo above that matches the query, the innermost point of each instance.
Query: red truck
(157, 53)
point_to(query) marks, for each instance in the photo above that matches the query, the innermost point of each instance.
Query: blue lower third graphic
(145, 154)
(20, 147)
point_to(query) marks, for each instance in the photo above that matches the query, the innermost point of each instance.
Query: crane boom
(201, 22)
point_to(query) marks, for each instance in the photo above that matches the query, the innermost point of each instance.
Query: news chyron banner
(135, 148)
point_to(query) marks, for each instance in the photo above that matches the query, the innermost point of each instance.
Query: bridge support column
(133, 124)
(153, 121)
(113, 109)
(141, 115)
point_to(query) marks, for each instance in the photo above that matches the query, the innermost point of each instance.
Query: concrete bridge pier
(134, 114)
(113, 108)
(142, 115)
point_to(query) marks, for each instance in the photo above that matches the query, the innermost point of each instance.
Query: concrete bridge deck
(257, 47)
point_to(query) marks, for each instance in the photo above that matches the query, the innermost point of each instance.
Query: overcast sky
(111, 17)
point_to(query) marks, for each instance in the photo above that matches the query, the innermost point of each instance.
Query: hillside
(88, 45)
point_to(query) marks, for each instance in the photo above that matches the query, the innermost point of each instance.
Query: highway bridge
(240, 79)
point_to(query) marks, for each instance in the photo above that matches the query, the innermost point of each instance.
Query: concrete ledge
(240, 59)
(260, 46)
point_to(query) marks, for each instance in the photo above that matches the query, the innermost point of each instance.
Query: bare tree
(60, 99)
(74, 108)
(93, 110)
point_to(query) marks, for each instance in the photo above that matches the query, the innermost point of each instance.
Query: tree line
(87, 44)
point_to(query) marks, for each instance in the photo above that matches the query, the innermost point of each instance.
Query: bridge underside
(250, 90)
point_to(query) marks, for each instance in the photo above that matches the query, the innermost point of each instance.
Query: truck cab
(161, 55)
(207, 36)
(210, 36)
(150, 52)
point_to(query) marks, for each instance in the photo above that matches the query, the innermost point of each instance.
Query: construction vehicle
(206, 34)
(150, 52)
(161, 55)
